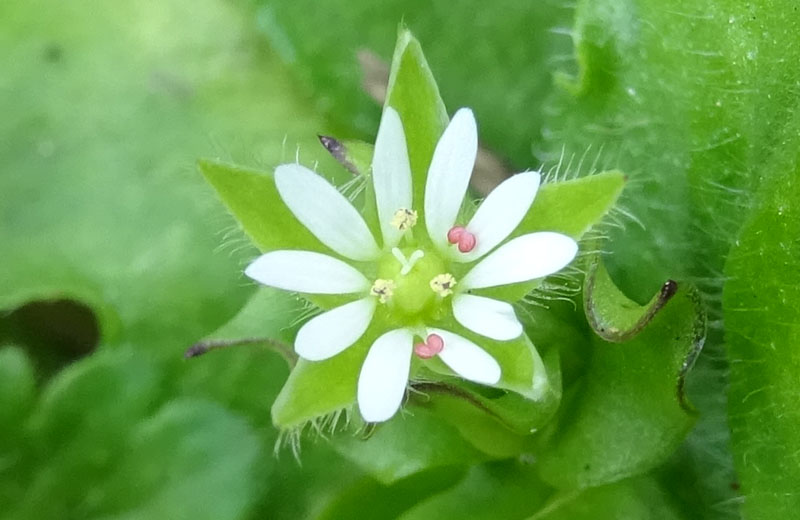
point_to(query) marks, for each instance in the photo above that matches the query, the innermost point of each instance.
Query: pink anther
(465, 240)
(432, 346)
(455, 234)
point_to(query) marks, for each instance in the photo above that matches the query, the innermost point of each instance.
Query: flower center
(410, 271)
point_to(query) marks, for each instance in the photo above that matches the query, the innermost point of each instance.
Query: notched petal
(524, 258)
(306, 272)
(501, 213)
(449, 174)
(384, 375)
(391, 175)
(325, 212)
(467, 359)
(331, 332)
(487, 317)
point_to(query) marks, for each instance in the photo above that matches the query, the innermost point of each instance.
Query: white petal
(500, 213)
(331, 332)
(384, 375)
(467, 359)
(448, 175)
(391, 174)
(325, 212)
(491, 318)
(524, 258)
(306, 272)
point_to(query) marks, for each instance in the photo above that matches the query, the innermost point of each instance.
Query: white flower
(409, 274)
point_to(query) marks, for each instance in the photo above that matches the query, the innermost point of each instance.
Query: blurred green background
(112, 249)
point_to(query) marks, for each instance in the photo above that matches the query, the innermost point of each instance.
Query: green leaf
(121, 388)
(503, 489)
(17, 390)
(302, 490)
(408, 444)
(691, 100)
(371, 499)
(628, 413)
(639, 498)
(610, 313)
(762, 312)
(17, 395)
(99, 426)
(185, 447)
(412, 91)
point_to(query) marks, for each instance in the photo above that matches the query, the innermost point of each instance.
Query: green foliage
(106, 107)
(394, 450)
(639, 498)
(100, 444)
(505, 489)
(762, 306)
(627, 413)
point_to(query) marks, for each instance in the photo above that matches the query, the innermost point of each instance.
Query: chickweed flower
(425, 265)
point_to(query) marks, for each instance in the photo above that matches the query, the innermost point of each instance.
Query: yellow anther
(383, 289)
(442, 284)
(404, 219)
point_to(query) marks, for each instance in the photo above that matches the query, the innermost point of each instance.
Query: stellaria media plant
(421, 297)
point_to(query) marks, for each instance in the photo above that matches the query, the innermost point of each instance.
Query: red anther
(432, 346)
(466, 242)
(454, 235)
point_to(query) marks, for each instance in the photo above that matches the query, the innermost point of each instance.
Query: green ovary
(412, 296)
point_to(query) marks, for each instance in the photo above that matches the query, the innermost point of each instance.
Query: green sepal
(315, 389)
(413, 92)
(521, 367)
(252, 197)
(497, 423)
(570, 207)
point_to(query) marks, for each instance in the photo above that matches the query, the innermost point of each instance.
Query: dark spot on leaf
(53, 53)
